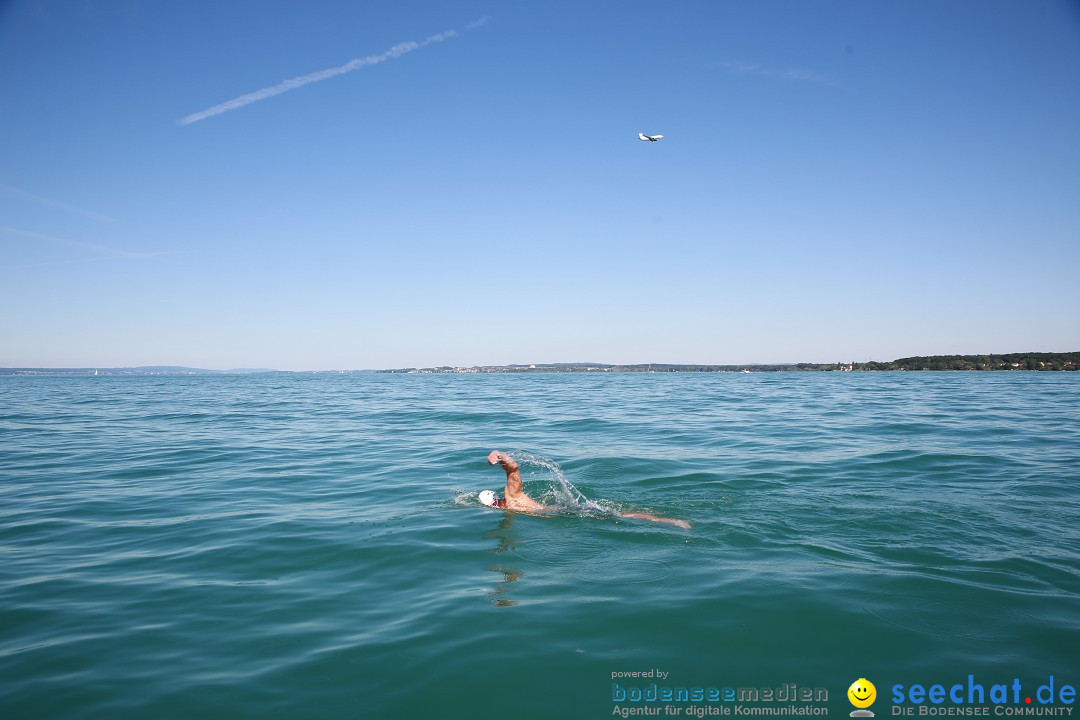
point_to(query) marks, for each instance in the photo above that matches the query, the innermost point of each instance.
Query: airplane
(649, 138)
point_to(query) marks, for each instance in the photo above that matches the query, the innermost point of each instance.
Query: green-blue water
(310, 546)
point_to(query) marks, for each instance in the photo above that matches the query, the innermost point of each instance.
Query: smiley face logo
(862, 694)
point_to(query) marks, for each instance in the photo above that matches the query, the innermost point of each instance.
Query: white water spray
(563, 493)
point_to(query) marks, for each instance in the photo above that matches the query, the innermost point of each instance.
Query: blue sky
(837, 181)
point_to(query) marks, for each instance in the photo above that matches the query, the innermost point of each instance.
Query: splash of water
(560, 492)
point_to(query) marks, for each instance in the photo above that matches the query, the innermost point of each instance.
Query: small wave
(466, 498)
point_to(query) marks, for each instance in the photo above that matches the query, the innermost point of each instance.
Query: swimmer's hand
(501, 458)
(498, 458)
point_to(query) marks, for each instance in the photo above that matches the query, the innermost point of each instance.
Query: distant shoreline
(1006, 362)
(142, 370)
(1069, 361)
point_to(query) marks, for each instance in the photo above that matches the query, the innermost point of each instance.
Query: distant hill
(1012, 361)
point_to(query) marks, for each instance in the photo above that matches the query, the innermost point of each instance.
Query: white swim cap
(488, 498)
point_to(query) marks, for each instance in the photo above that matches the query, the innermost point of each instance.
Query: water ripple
(305, 545)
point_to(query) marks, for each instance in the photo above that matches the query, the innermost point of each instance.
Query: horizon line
(254, 370)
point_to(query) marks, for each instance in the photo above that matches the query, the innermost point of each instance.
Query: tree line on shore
(1010, 361)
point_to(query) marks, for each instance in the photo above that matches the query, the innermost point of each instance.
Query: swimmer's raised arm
(515, 496)
(513, 472)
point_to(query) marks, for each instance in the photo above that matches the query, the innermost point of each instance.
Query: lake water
(311, 546)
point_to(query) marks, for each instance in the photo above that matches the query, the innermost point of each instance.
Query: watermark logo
(862, 694)
(974, 699)
(699, 701)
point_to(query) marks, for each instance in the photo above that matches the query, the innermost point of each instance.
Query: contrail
(57, 203)
(287, 85)
(798, 74)
(103, 250)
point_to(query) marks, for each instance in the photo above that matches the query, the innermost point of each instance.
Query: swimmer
(514, 498)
